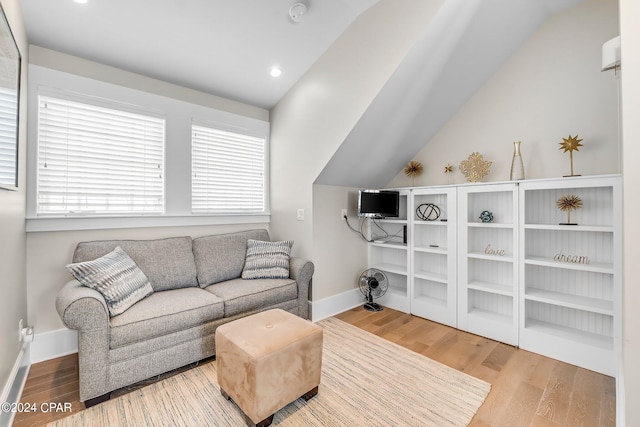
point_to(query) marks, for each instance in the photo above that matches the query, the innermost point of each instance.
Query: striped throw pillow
(117, 277)
(267, 260)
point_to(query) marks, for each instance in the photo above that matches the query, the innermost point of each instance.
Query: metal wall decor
(428, 212)
(448, 171)
(475, 167)
(413, 169)
(571, 144)
(567, 204)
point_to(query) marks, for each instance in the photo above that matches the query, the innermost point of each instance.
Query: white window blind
(98, 161)
(228, 172)
(8, 132)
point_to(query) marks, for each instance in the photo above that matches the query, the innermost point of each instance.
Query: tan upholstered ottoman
(268, 360)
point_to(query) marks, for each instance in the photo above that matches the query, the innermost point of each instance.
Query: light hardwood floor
(527, 389)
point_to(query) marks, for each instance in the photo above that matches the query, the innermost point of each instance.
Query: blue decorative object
(486, 216)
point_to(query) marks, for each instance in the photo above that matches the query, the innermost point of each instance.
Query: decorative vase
(517, 166)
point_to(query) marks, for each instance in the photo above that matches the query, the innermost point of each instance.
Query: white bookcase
(487, 261)
(524, 278)
(432, 281)
(570, 275)
(389, 253)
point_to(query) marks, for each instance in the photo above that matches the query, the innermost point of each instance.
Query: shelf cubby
(572, 323)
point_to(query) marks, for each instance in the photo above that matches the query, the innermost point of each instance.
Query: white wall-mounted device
(611, 54)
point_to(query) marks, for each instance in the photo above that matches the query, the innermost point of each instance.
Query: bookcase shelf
(549, 262)
(595, 305)
(493, 288)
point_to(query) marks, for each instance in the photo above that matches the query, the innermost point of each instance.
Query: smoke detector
(296, 11)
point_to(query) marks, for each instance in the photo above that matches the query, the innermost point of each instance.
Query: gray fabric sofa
(197, 287)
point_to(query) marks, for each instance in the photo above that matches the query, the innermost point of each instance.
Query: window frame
(101, 104)
(180, 110)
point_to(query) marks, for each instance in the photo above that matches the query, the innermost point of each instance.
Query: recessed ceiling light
(275, 71)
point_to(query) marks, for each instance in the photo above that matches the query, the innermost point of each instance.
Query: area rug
(366, 380)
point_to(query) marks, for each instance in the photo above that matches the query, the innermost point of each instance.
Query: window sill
(34, 225)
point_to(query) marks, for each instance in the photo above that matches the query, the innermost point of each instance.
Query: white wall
(342, 254)
(49, 251)
(13, 304)
(311, 121)
(630, 39)
(551, 87)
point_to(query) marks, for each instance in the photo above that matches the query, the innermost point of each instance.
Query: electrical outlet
(20, 326)
(27, 334)
(300, 214)
(343, 213)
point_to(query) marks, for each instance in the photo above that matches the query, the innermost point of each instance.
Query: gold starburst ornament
(413, 169)
(567, 204)
(448, 171)
(475, 167)
(571, 144)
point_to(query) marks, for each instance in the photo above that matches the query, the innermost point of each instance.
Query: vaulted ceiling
(461, 48)
(226, 48)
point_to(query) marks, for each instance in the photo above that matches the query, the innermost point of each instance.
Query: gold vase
(517, 166)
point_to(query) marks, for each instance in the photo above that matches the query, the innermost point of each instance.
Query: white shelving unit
(391, 255)
(523, 279)
(487, 261)
(570, 275)
(432, 279)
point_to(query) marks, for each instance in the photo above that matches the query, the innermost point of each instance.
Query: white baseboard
(15, 384)
(330, 306)
(52, 344)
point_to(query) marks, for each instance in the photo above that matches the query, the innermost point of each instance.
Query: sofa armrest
(85, 310)
(82, 308)
(301, 271)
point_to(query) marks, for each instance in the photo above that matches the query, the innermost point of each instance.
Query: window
(98, 161)
(8, 129)
(228, 172)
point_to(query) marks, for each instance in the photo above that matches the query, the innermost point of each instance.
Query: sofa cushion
(221, 257)
(168, 263)
(240, 295)
(116, 277)
(164, 313)
(267, 260)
